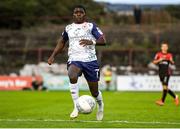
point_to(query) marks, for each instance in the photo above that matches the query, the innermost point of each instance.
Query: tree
(24, 13)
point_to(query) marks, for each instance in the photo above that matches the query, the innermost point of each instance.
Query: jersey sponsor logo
(164, 62)
(77, 31)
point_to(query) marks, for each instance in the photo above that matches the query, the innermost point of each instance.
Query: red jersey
(164, 64)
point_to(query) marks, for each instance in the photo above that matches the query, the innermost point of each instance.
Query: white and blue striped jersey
(74, 33)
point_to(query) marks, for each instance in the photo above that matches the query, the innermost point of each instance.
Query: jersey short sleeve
(96, 32)
(157, 56)
(65, 35)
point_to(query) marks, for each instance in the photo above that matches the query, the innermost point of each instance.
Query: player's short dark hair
(164, 42)
(79, 6)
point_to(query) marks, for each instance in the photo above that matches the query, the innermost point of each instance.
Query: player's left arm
(157, 59)
(101, 41)
(171, 59)
(98, 35)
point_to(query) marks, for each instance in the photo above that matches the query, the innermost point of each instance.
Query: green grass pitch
(27, 109)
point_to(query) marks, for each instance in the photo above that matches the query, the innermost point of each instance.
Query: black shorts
(164, 79)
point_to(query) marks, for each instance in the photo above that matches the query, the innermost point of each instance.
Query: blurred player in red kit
(163, 59)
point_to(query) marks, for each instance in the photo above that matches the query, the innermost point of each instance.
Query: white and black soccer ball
(86, 104)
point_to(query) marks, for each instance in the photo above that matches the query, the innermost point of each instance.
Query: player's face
(164, 48)
(79, 15)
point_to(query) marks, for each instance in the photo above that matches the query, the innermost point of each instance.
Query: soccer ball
(86, 104)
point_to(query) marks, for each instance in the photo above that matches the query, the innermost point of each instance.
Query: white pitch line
(89, 121)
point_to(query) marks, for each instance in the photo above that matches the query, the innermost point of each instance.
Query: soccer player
(82, 37)
(163, 59)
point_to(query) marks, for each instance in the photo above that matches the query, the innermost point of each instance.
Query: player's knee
(73, 77)
(73, 80)
(165, 87)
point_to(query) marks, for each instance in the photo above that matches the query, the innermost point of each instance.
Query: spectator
(137, 14)
(108, 77)
(37, 83)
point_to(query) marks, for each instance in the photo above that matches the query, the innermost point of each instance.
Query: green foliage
(20, 13)
(174, 10)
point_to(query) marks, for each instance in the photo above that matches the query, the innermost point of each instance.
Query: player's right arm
(59, 47)
(98, 35)
(157, 59)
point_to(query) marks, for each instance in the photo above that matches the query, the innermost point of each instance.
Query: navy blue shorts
(89, 69)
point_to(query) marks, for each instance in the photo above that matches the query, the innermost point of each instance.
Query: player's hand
(50, 60)
(85, 42)
(171, 61)
(161, 59)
